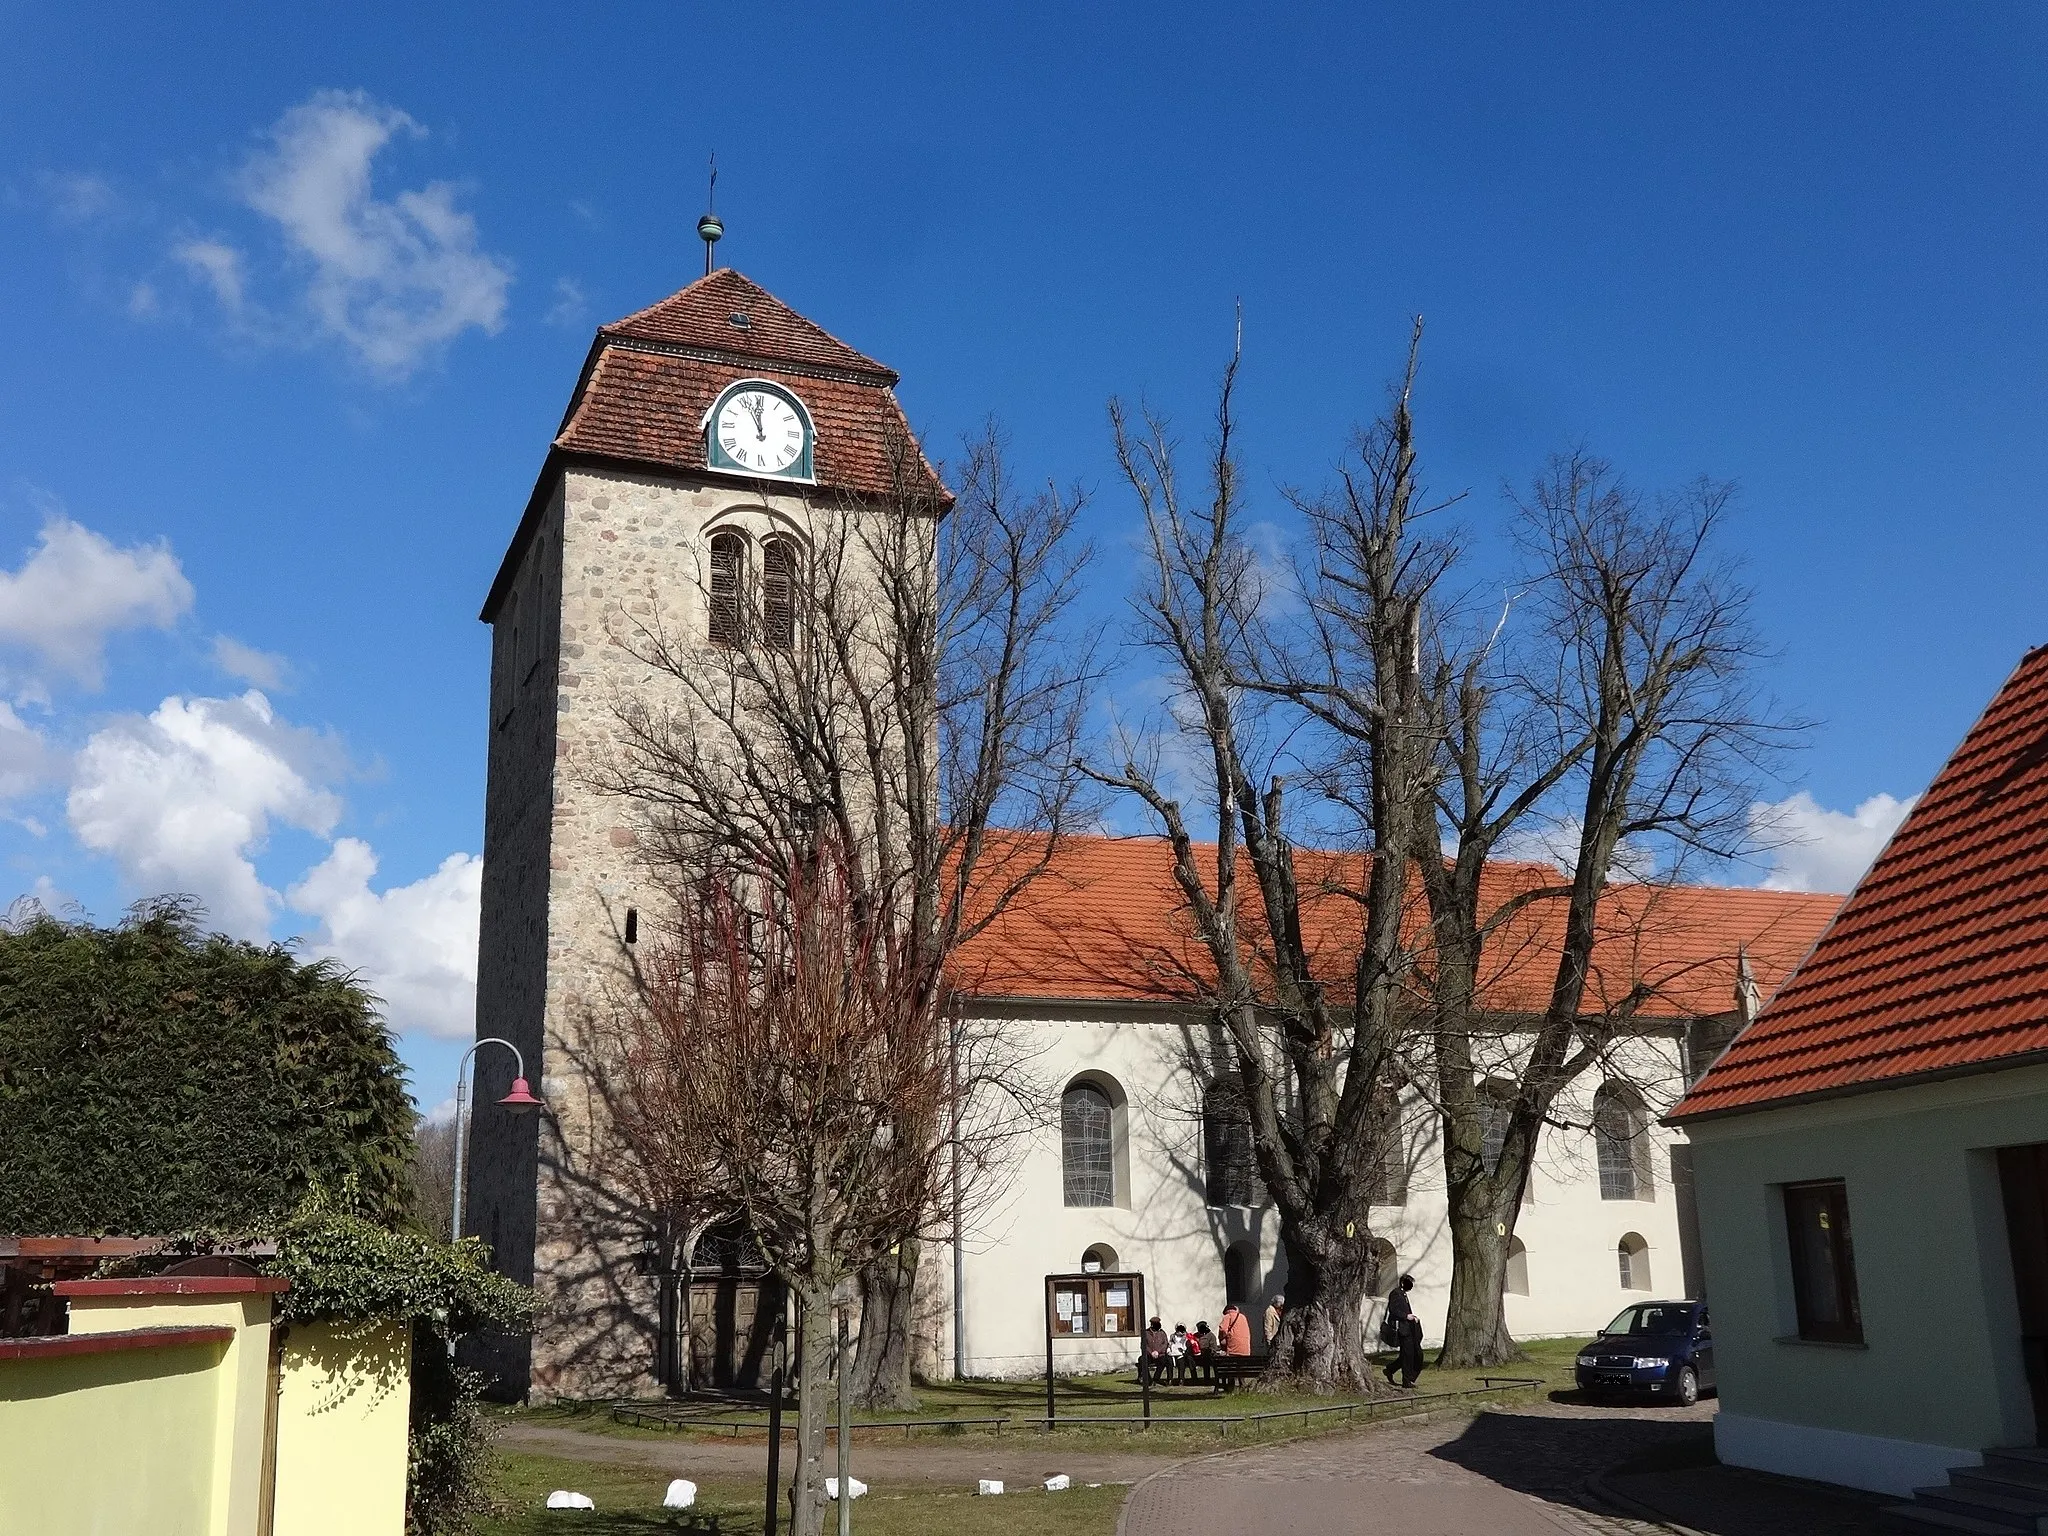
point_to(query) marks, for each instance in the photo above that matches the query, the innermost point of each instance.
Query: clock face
(759, 430)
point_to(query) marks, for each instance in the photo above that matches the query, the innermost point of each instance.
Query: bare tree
(780, 1051)
(925, 685)
(1626, 724)
(1312, 1069)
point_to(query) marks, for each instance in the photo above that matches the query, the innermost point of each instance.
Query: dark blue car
(1658, 1349)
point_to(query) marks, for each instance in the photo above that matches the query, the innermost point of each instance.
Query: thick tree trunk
(1321, 1346)
(814, 1412)
(1482, 1220)
(882, 1360)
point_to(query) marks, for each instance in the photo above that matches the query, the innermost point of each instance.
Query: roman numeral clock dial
(759, 430)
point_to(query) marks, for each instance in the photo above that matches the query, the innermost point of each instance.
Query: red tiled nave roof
(1106, 923)
(1938, 961)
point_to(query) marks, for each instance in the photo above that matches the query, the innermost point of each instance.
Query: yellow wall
(239, 1406)
(341, 1425)
(113, 1444)
(156, 1439)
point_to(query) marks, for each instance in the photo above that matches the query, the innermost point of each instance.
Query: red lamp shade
(520, 1098)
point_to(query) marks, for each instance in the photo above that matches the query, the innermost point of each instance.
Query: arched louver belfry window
(778, 594)
(1087, 1152)
(728, 564)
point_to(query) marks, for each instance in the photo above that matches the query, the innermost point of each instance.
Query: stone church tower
(703, 437)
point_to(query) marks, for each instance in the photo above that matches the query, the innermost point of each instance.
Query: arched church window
(1390, 1173)
(1227, 1144)
(728, 564)
(1087, 1148)
(1622, 1144)
(779, 561)
(1496, 1108)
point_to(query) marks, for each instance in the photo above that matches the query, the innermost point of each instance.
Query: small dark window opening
(1823, 1262)
(778, 594)
(632, 925)
(727, 557)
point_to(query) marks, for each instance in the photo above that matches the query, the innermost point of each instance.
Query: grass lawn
(628, 1499)
(1118, 1397)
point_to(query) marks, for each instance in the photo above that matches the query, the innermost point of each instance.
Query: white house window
(1496, 1108)
(1516, 1281)
(1390, 1178)
(1622, 1142)
(1087, 1145)
(1634, 1256)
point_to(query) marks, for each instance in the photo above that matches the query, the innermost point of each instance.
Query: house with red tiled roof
(706, 441)
(1872, 1159)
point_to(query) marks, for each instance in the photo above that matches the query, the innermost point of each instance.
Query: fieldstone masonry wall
(616, 552)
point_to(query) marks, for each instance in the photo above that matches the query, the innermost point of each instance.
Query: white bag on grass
(682, 1493)
(1059, 1484)
(854, 1488)
(990, 1485)
(562, 1498)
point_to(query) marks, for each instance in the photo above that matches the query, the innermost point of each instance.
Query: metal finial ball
(709, 229)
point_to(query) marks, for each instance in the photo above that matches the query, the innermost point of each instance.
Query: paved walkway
(1538, 1470)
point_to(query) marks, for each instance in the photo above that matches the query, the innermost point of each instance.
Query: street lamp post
(520, 1101)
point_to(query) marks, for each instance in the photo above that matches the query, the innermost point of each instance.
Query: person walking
(1152, 1362)
(1276, 1309)
(1407, 1329)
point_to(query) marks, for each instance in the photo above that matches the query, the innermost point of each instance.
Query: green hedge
(158, 1079)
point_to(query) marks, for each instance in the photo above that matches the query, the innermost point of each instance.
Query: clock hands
(754, 405)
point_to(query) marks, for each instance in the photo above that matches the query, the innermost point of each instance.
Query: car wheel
(1688, 1387)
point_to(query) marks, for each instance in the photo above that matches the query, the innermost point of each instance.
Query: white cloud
(181, 799)
(26, 758)
(1557, 843)
(219, 265)
(76, 589)
(571, 304)
(266, 669)
(143, 303)
(414, 945)
(79, 197)
(1815, 849)
(393, 280)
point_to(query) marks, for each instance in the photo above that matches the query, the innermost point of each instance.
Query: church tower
(705, 437)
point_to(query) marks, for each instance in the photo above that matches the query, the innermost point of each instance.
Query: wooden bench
(1232, 1369)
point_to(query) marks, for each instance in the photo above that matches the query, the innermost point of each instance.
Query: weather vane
(708, 227)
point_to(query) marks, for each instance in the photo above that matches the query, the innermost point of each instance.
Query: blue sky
(294, 298)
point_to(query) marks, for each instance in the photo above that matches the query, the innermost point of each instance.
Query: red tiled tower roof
(1106, 924)
(1938, 962)
(651, 377)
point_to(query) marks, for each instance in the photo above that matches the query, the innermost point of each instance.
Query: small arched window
(1227, 1145)
(1087, 1147)
(1240, 1272)
(1100, 1258)
(1634, 1256)
(1516, 1279)
(779, 564)
(1622, 1143)
(728, 567)
(1384, 1271)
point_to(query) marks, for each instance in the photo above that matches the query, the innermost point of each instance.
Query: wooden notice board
(1094, 1306)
